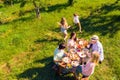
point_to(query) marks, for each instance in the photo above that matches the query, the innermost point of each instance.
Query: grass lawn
(27, 43)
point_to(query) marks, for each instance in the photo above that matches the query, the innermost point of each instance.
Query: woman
(88, 69)
(72, 41)
(64, 26)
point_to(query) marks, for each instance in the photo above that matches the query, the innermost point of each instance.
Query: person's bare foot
(80, 31)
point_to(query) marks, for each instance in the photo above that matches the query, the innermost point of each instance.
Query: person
(97, 46)
(64, 26)
(71, 44)
(59, 53)
(77, 22)
(87, 69)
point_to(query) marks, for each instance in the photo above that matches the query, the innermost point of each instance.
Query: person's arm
(68, 27)
(56, 58)
(100, 50)
(58, 61)
(67, 54)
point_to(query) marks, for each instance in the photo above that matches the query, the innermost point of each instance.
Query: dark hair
(72, 34)
(75, 14)
(62, 20)
(62, 46)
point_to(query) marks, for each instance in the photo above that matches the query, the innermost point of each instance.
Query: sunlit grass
(27, 43)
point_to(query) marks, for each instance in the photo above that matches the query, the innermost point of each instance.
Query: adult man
(59, 53)
(97, 46)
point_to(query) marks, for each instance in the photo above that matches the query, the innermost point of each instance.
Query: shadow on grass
(57, 7)
(56, 29)
(43, 73)
(22, 19)
(102, 21)
(48, 40)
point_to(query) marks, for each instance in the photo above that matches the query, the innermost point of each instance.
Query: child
(77, 22)
(64, 26)
(88, 69)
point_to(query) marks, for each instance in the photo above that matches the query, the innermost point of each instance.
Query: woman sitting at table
(88, 69)
(71, 44)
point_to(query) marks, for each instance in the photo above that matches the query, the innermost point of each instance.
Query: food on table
(66, 60)
(73, 56)
(81, 54)
(75, 63)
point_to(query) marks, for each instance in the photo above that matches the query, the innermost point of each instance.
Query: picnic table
(73, 59)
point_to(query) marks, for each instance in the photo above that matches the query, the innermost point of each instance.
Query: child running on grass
(77, 22)
(64, 26)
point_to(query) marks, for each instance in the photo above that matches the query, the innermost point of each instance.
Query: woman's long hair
(71, 36)
(95, 57)
(63, 22)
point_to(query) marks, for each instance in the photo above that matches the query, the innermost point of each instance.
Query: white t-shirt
(58, 54)
(76, 19)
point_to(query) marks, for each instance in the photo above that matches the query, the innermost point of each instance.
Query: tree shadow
(48, 39)
(43, 73)
(8, 2)
(22, 19)
(100, 20)
(57, 7)
(1, 6)
(56, 29)
(22, 13)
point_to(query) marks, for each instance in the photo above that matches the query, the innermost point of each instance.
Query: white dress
(63, 29)
(76, 19)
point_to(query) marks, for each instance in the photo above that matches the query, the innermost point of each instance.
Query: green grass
(27, 43)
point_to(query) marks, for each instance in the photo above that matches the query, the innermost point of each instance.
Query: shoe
(100, 62)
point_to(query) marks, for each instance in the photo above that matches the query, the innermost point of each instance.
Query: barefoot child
(64, 26)
(76, 21)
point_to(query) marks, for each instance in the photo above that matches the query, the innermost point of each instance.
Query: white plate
(66, 60)
(82, 55)
(75, 63)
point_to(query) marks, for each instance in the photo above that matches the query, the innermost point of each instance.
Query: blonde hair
(95, 57)
(63, 22)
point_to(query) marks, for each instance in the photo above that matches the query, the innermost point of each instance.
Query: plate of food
(66, 60)
(82, 55)
(75, 63)
(73, 56)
